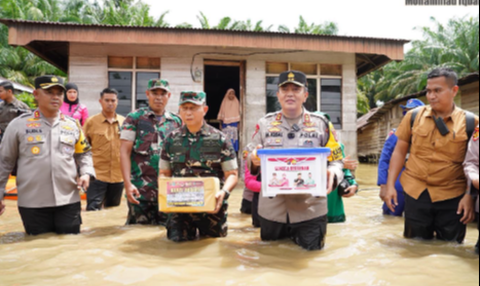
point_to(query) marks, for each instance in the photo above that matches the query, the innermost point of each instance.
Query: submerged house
(374, 127)
(97, 56)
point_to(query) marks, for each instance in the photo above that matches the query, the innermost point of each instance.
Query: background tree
(327, 28)
(454, 45)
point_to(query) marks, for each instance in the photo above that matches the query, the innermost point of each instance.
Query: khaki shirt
(105, 140)
(435, 162)
(272, 132)
(10, 111)
(47, 157)
(471, 161)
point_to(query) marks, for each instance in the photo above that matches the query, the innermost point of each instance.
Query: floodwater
(367, 250)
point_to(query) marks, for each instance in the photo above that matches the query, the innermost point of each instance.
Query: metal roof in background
(376, 113)
(8, 21)
(17, 86)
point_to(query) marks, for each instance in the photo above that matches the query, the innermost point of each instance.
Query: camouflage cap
(159, 84)
(195, 97)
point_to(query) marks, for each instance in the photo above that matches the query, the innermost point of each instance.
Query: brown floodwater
(367, 250)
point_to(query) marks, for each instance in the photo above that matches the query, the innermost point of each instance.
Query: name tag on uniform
(275, 142)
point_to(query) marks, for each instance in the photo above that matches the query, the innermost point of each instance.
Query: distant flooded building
(96, 56)
(374, 127)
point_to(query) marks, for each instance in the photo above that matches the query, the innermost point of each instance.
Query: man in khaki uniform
(48, 147)
(434, 179)
(472, 169)
(103, 133)
(300, 217)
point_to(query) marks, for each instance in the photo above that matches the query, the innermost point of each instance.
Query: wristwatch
(227, 194)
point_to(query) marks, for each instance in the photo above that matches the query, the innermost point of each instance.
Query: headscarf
(68, 87)
(230, 109)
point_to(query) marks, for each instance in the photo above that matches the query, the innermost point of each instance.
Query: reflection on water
(368, 250)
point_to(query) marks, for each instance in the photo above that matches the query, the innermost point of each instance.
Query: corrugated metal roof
(18, 86)
(9, 21)
(376, 113)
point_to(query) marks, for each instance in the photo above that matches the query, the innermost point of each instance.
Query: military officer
(300, 217)
(48, 147)
(199, 150)
(142, 134)
(10, 107)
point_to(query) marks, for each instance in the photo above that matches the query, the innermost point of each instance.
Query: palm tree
(328, 28)
(454, 46)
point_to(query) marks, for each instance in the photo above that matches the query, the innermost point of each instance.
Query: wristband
(227, 194)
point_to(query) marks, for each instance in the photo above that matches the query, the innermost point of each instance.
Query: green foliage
(454, 45)
(28, 99)
(327, 28)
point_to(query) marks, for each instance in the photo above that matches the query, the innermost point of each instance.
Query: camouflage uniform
(143, 128)
(205, 154)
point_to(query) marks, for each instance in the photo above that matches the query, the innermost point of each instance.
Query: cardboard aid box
(294, 171)
(187, 195)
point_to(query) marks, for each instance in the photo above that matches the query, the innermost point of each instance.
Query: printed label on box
(186, 194)
(294, 175)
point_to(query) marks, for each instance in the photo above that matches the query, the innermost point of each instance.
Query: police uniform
(205, 154)
(471, 167)
(10, 111)
(47, 156)
(147, 132)
(300, 217)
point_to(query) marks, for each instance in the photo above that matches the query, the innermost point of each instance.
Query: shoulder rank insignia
(274, 129)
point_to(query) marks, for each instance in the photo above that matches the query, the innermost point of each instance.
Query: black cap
(48, 81)
(295, 77)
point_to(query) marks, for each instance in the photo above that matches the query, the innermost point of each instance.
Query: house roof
(51, 41)
(377, 113)
(18, 86)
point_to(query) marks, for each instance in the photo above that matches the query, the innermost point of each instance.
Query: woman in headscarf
(230, 117)
(71, 104)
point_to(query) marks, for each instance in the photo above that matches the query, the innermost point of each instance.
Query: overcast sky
(370, 18)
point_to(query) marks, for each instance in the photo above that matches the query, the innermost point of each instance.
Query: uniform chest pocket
(455, 147)
(67, 145)
(35, 145)
(147, 143)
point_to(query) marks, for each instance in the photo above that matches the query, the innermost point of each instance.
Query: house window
(130, 76)
(324, 88)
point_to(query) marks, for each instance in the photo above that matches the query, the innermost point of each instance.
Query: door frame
(242, 95)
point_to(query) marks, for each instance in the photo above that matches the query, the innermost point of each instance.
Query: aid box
(294, 171)
(187, 195)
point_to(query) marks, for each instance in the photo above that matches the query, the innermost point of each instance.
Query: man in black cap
(48, 148)
(300, 217)
(10, 107)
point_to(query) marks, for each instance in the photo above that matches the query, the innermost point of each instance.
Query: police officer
(384, 164)
(48, 147)
(472, 169)
(199, 150)
(142, 134)
(300, 217)
(10, 107)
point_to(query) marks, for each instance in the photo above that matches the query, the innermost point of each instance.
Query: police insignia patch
(276, 123)
(274, 129)
(30, 139)
(36, 150)
(475, 135)
(310, 130)
(34, 125)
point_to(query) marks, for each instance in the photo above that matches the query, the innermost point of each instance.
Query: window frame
(134, 72)
(319, 78)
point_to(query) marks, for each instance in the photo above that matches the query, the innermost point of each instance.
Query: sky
(366, 18)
